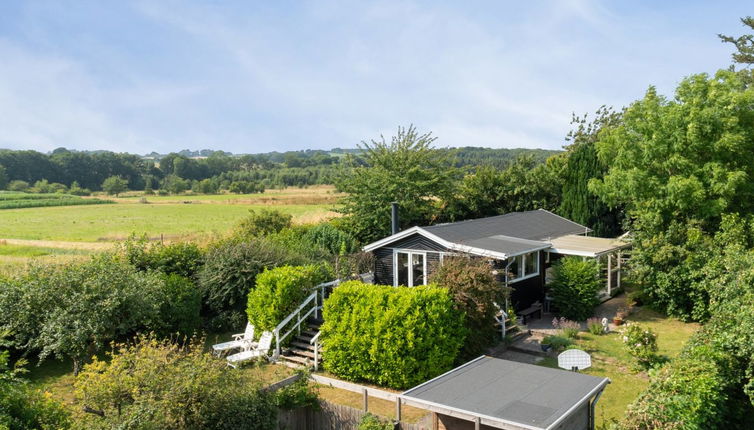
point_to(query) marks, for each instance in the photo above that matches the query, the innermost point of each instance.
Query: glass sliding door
(417, 269)
(410, 268)
(401, 268)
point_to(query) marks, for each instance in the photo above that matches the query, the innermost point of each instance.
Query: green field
(13, 200)
(114, 222)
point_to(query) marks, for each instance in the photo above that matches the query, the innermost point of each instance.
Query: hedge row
(36, 203)
(392, 336)
(12, 195)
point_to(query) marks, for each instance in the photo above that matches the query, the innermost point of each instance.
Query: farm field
(174, 217)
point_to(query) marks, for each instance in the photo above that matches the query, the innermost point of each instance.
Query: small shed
(491, 393)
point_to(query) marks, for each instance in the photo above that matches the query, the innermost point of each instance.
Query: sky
(255, 76)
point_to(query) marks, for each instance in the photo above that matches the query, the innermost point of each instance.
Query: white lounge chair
(243, 340)
(262, 349)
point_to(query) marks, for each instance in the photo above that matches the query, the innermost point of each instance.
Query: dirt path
(88, 246)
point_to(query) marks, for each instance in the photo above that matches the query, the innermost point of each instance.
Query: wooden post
(366, 400)
(398, 409)
(620, 257)
(609, 274)
(477, 423)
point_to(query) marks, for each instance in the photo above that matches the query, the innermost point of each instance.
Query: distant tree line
(205, 171)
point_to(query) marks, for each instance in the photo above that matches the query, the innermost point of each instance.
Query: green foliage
(744, 44)
(160, 384)
(641, 343)
(330, 238)
(3, 178)
(392, 336)
(230, 272)
(678, 166)
(114, 185)
(407, 170)
(175, 184)
(567, 328)
(575, 286)
(280, 291)
(264, 222)
(300, 394)
(74, 310)
(181, 307)
(372, 422)
(474, 290)
(18, 200)
(18, 185)
(180, 258)
(594, 325)
(558, 343)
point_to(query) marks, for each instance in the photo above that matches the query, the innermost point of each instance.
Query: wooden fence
(331, 416)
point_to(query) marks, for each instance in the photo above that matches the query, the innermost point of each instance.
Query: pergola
(594, 247)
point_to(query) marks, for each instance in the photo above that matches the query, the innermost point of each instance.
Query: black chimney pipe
(394, 217)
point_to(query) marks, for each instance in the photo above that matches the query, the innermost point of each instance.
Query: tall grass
(14, 200)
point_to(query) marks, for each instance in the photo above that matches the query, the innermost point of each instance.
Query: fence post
(277, 344)
(477, 423)
(366, 400)
(398, 409)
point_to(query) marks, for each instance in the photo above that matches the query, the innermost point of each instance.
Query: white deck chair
(262, 349)
(240, 341)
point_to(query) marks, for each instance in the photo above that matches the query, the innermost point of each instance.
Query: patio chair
(240, 341)
(262, 349)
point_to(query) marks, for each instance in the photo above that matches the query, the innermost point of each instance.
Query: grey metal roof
(524, 394)
(533, 225)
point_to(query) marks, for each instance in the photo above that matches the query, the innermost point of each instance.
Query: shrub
(641, 343)
(393, 336)
(160, 384)
(574, 289)
(568, 328)
(18, 186)
(328, 237)
(181, 258)
(300, 394)
(372, 422)
(558, 343)
(182, 305)
(280, 291)
(595, 326)
(264, 222)
(474, 290)
(229, 273)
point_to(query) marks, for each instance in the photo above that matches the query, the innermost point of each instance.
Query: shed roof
(532, 225)
(507, 394)
(586, 246)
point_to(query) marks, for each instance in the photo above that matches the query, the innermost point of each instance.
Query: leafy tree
(161, 384)
(677, 166)
(114, 185)
(578, 203)
(474, 290)
(175, 184)
(575, 286)
(3, 178)
(264, 222)
(406, 170)
(17, 185)
(180, 258)
(744, 44)
(73, 311)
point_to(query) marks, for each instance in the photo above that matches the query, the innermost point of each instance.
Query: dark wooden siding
(529, 290)
(418, 242)
(383, 266)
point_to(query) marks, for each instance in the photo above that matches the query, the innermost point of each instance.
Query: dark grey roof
(533, 225)
(506, 244)
(509, 391)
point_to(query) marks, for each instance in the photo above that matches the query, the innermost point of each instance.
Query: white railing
(315, 341)
(316, 298)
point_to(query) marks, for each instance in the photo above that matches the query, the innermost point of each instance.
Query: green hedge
(280, 291)
(574, 289)
(392, 336)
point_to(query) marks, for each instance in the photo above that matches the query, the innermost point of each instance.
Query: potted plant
(620, 316)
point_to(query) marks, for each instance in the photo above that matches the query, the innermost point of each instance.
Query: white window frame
(522, 267)
(410, 253)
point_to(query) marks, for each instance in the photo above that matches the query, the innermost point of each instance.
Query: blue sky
(286, 75)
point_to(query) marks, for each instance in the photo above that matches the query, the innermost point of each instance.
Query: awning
(586, 246)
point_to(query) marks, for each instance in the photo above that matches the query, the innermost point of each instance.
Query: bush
(229, 273)
(474, 290)
(558, 343)
(574, 289)
(328, 237)
(300, 394)
(182, 305)
(160, 384)
(17, 185)
(641, 343)
(181, 258)
(371, 422)
(280, 291)
(567, 328)
(594, 326)
(264, 222)
(392, 336)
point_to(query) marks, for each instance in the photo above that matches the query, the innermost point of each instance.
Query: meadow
(166, 217)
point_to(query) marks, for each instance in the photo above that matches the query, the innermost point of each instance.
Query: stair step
(296, 359)
(310, 333)
(303, 352)
(303, 345)
(304, 338)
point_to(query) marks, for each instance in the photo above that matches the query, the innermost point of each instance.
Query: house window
(410, 268)
(523, 266)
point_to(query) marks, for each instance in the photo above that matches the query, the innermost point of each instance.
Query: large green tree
(577, 202)
(114, 185)
(407, 170)
(744, 44)
(678, 166)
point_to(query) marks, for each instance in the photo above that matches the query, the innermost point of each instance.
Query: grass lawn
(610, 359)
(118, 221)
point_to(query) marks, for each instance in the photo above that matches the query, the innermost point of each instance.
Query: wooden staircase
(300, 352)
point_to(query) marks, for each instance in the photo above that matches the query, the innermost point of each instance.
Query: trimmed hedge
(280, 291)
(574, 289)
(392, 336)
